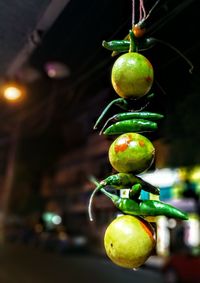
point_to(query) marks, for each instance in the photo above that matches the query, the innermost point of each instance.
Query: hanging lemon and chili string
(130, 239)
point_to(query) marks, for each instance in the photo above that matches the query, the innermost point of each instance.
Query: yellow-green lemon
(131, 152)
(129, 241)
(132, 75)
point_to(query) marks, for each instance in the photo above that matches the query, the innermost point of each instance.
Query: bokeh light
(13, 92)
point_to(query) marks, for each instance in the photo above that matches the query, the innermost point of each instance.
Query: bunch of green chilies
(133, 205)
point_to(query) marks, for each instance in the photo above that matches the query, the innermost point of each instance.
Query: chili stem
(132, 41)
(113, 197)
(120, 101)
(98, 186)
(106, 123)
(178, 52)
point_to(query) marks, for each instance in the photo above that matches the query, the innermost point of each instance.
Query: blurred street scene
(27, 264)
(75, 240)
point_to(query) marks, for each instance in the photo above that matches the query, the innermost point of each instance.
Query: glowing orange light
(13, 92)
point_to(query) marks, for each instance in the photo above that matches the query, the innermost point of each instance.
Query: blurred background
(54, 84)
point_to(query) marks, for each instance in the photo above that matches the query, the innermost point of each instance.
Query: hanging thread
(142, 11)
(133, 12)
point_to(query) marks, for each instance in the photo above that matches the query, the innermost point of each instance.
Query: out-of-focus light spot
(162, 177)
(56, 219)
(192, 234)
(57, 70)
(51, 73)
(12, 93)
(79, 240)
(163, 236)
(172, 223)
(195, 174)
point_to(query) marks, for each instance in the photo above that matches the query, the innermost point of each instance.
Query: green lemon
(132, 75)
(129, 241)
(131, 152)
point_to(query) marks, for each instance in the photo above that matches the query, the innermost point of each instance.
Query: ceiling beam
(48, 18)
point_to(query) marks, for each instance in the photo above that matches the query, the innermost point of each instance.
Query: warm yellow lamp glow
(13, 92)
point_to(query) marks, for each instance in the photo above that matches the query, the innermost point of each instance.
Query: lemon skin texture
(132, 75)
(131, 152)
(129, 241)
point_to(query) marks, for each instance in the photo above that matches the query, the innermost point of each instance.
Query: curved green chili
(121, 102)
(133, 125)
(145, 207)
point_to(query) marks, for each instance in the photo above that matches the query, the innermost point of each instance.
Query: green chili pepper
(142, 115)
(117, 45)
(133, 125)
(134, 192)
(146, 207)
(122, 180)
(132, 115)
